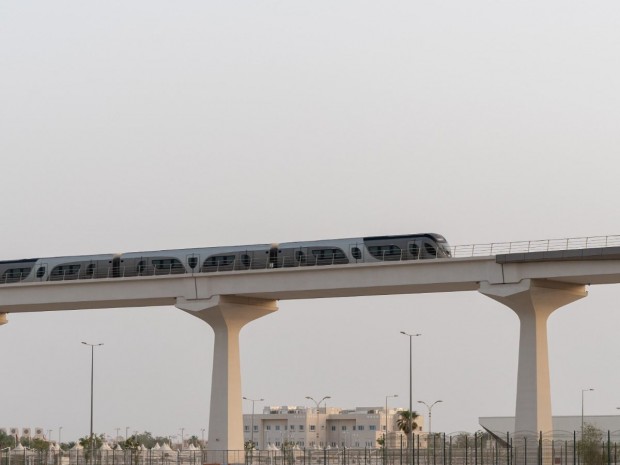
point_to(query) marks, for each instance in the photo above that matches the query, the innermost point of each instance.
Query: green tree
(6, 440)
(96, 443)
(406, 421)
(193, 440)
(590, 446)
(39, 444)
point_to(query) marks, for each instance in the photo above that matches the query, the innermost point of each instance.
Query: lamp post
(318, 404)
(202, 432)
(582, 391)
(386, 421)
(410, 435)
(92, 372)
(252, 418)
(59, 434)
(430, 408)
(182, 431)
(126, 432)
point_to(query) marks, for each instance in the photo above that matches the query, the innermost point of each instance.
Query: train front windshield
(443, 245)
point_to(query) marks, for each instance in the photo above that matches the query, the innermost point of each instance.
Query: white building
(325, 427)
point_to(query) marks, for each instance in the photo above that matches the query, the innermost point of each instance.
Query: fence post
(476, 448)
(574, 448)
(466, 441)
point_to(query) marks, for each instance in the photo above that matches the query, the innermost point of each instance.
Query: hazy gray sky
(142, 125)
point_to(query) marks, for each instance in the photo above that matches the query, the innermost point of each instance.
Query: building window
(292, 427)
(268, 427)
(344, 427)
(360, 428)
(312, 428)
(255, 427)
(277, 427)
(372, 427)
(301, 427)
(333, 427)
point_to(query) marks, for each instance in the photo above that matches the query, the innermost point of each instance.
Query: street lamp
(92, 372)
(182, 431)
(582, 391)
(252, 430)
(410, 435)
(202, 431)
(59, 433)
(317, 414)
(386, 420)
(430, 408)
(126, 431)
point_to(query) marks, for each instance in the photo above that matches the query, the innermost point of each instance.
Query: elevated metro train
(236, 258)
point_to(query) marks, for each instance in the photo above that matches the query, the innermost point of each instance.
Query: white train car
(233, 258)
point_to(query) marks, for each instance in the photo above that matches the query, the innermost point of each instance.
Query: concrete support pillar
(226, 315)
(533, 301)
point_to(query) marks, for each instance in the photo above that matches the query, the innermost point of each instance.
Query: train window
(430, 249)
(90, 270)
(41, 272)
(356, 252)
(246, 260)
(167, 264)
(192, 262)
(328, 254)
(141, 268)
(65, 271)
(220, 260)
(386, 252)
(15, 274)
(414, 249)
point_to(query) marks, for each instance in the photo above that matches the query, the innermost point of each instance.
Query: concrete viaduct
(531, 284)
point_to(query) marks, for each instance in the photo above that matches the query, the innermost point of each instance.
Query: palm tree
(406, 421)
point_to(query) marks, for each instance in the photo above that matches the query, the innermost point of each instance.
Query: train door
(274, 255)
(116, 266)
(357, 252)
(193, 262)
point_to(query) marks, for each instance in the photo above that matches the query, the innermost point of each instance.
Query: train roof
(22, 260)
(405, 236)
